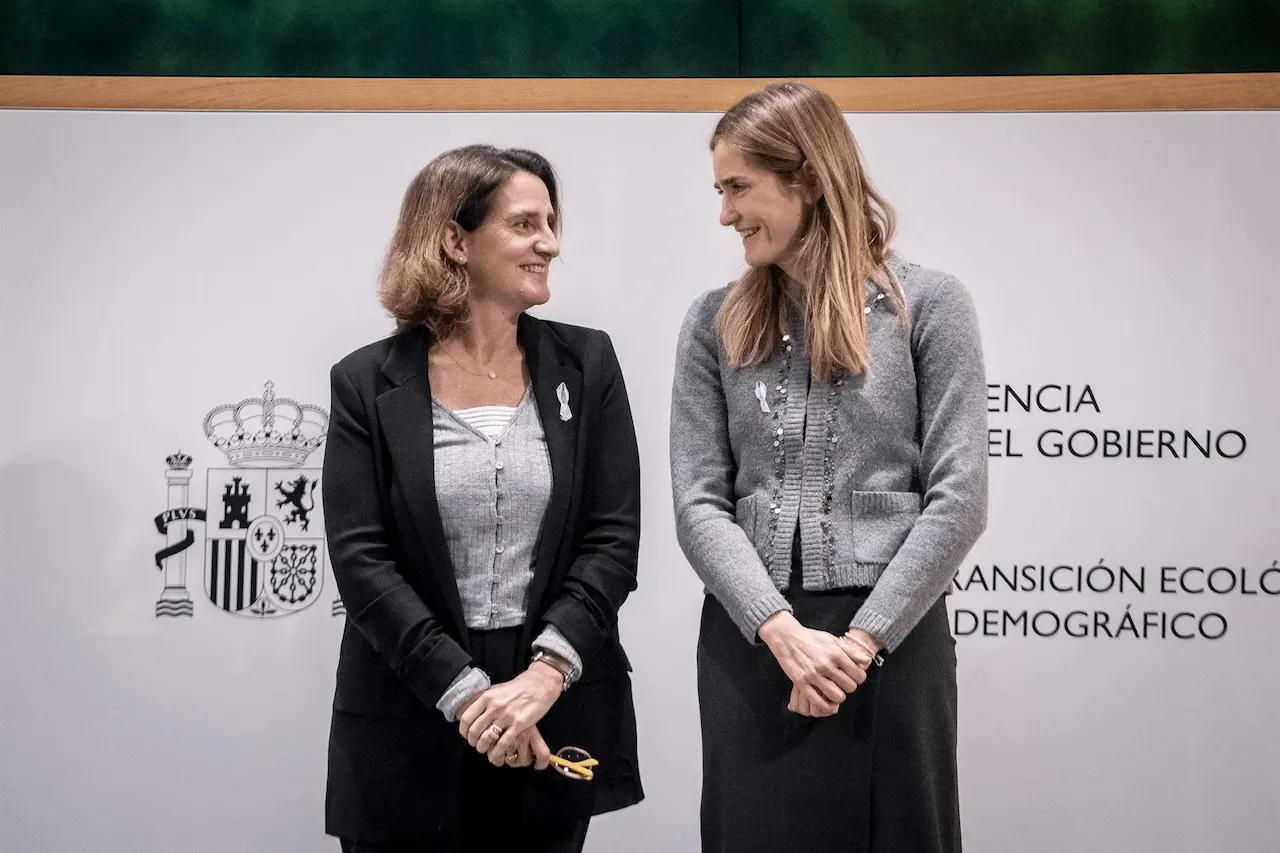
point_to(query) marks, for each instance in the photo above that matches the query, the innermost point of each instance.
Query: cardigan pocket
(881, 522)
(748, 512)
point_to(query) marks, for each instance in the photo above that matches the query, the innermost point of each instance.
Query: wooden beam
(854, 94)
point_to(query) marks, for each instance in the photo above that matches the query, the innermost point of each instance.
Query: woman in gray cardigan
(829, 467)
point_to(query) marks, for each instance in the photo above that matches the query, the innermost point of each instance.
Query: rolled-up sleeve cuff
(555, 642)
(468, 683)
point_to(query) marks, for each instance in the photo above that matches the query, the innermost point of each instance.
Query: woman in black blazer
(448, 704)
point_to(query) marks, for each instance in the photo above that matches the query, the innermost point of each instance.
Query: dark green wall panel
(371, 38)
(636, 38)
(996, 37)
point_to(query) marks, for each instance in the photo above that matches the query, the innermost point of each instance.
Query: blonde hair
(799, 134)
(420, 284)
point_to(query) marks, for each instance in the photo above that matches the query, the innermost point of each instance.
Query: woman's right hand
(818, 664)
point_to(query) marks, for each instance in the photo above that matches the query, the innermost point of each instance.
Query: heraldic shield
(264, 540)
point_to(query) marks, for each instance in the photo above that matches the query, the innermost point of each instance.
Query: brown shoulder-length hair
(799, 134)
(420, 284)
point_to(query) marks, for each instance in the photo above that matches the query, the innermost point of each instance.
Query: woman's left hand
(514, 707)
(530, 751)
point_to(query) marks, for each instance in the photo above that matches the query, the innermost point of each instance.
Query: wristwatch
(557, 663)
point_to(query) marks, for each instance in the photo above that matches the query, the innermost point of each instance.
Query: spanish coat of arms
(264, 546)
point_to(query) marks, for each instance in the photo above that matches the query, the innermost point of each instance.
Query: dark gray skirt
(878, 777)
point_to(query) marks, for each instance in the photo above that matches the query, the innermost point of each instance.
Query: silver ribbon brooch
(562, 394)
(762, 394)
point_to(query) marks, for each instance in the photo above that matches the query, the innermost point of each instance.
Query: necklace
(492, 374)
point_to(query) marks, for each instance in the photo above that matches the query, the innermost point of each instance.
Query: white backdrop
(154, 266)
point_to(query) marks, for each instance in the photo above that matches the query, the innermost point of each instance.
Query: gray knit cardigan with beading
(884, 473)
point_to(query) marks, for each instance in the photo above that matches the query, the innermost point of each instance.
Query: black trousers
(493, 817)
(878, 777)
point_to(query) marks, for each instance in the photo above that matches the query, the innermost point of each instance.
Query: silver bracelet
(876, 657)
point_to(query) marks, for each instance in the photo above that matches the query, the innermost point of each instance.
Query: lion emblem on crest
(301, 500)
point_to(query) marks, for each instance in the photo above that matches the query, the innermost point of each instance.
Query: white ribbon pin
(562, 394)
(762, 394)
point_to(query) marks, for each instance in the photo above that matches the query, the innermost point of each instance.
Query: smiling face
(768, 214)
(507, 256)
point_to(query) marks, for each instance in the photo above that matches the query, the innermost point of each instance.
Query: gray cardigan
(493, 494)
(885, 473)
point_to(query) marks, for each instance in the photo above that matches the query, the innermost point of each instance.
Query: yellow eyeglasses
(575, 763)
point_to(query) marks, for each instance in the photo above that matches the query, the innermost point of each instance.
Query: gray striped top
(492, 485)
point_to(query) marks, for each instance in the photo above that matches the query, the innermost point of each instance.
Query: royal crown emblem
(266, 431)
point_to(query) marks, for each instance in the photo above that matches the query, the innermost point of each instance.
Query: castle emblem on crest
(264, 547)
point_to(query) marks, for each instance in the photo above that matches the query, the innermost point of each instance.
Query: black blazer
(394, 761)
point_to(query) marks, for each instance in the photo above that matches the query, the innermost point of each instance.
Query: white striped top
(489, 421)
